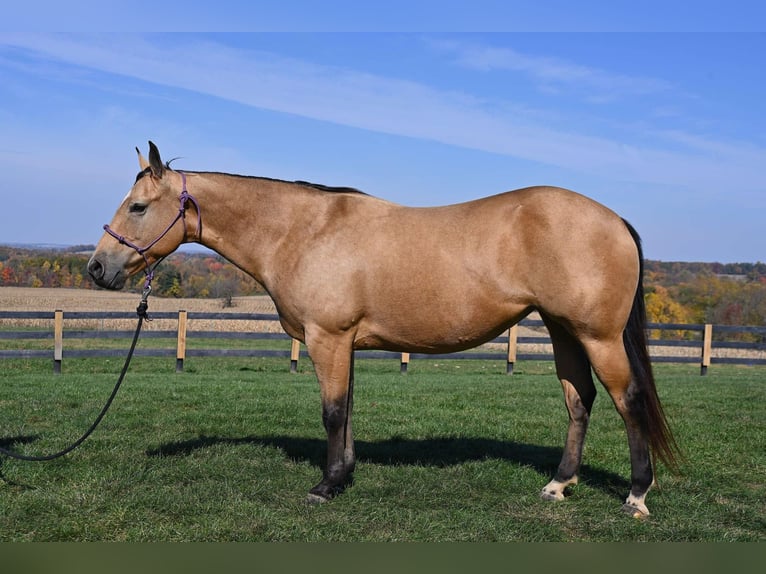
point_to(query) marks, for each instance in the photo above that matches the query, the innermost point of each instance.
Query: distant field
(39, 299)
(45, 299)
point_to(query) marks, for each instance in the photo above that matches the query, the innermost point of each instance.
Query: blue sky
(668, 129)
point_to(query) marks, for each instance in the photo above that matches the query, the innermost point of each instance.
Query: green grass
(454, 450)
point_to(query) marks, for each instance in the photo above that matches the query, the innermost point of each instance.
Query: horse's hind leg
(612, 367)
(573, 370)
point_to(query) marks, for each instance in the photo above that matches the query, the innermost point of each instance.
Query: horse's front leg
(334, 365)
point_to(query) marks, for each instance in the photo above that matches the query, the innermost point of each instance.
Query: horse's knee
(333, 415)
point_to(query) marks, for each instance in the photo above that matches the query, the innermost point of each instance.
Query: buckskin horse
(350, 271)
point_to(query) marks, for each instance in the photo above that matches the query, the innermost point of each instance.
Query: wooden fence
(703, 340)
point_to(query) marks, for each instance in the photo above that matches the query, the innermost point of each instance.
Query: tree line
(676, 292)
(180, 275)
(724, 294)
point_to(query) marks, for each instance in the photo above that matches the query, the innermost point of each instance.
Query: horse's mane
(328, 188)
(317, 186)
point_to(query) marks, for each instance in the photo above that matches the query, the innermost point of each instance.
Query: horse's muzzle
(103, 277)
(95, 269)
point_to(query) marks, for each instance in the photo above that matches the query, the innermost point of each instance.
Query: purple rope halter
(149, 271)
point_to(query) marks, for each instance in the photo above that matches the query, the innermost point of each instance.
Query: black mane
(328, 188)
(317, 186)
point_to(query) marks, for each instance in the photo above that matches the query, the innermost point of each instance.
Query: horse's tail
(653, 421)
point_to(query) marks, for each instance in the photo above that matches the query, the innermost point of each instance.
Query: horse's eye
(137, 208)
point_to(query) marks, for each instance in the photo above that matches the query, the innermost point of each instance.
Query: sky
(667, 128)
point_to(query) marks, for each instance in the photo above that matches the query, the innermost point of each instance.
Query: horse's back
(527, 237)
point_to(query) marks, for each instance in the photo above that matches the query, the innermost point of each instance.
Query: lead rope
(141, 310)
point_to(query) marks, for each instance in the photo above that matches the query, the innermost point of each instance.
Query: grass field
(454, 450)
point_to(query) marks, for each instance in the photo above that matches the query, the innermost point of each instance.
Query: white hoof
(635, 507)
(551, 495)
(554, 490)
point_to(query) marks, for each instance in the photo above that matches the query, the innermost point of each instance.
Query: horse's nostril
(95, 269)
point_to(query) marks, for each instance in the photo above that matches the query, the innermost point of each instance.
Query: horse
(350, 271)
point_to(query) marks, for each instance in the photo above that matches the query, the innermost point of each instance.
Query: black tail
(654, 424)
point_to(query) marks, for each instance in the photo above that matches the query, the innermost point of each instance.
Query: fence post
(58, 340)
(295, 353)
(513, 334)
(707, 348)
(181, 341)
(405, 362)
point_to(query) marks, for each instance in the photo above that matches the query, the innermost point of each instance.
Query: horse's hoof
(557, 490)
(637, 512)
(323, 492)
(551, 495)
(314, 499)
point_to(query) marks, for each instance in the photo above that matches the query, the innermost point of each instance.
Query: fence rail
(703, 344)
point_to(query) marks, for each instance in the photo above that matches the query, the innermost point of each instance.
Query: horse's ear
(155, 162)
(143, 164)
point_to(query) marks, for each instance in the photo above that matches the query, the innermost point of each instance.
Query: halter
(149, 270)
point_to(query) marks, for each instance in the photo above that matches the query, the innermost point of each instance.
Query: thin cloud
(406, 108)
(554, 74)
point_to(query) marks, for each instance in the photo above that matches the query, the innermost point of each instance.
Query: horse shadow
(439, 452)
(8, 443)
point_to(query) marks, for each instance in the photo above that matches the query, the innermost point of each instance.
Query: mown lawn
(452, 451)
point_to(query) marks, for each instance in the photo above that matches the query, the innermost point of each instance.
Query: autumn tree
(662, 308)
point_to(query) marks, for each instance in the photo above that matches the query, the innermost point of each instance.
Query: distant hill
(48, 247)
(673, 272)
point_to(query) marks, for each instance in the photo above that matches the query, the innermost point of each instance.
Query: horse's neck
(247, 220)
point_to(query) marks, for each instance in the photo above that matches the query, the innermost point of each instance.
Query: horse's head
(148, 225)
